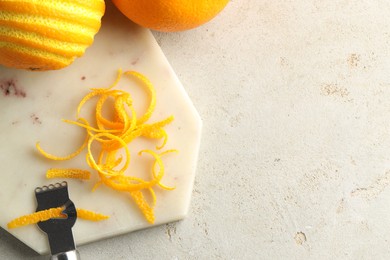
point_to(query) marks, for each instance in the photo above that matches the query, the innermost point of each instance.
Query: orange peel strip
(98, 167)
(123, 123)
(123, 183)
(118, 77)
(88, 97)
(160, 177)
(63, 158)
(98, 91)
(152, 94)
(156, 131)
(146, 130)
(90, 215)
(36, 217)
(121, 113)
(145, 208)
(158, 161)
(100, 120)
(47, 214)
(68, 173)
(89, 127)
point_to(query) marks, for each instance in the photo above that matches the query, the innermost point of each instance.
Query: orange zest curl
(113, 134)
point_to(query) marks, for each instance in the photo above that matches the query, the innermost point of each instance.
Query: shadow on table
(15, 248)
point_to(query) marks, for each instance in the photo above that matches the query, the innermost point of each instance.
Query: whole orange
(49, 34)
(170, 15)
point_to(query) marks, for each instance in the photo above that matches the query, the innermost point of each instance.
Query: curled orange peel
(115, 134)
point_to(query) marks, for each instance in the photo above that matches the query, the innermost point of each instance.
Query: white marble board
(32, 105)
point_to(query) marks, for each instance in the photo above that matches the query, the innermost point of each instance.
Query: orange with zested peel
(47, 34)
(170, 15)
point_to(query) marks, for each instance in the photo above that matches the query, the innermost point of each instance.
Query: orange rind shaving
(146, 209)
(68, 173)
(114, 134)
(90, 215)
(47, 214)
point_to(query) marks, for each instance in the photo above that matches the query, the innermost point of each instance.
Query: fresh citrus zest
(114, 134)
(153, 194)
(89, 127)
(47, 214)
(151, 92)
(90, 215)
(63, 158)
(68, 173)
(116, 81)
(145, 208)
(108, 171)
(160, 176)
(36, 217)
(89, 96)
(98, 91)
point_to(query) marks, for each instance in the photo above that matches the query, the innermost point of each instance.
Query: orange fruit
(47, 34)
(170, 15)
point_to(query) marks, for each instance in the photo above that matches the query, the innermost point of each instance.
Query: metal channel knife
(58, 230)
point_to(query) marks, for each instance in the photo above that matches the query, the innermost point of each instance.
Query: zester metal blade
(58, 230)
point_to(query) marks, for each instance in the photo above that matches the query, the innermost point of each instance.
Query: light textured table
(295, 153)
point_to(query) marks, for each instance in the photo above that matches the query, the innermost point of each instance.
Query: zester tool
(58, 230)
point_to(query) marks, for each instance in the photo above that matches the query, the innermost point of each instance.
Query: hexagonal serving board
(32, 105)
